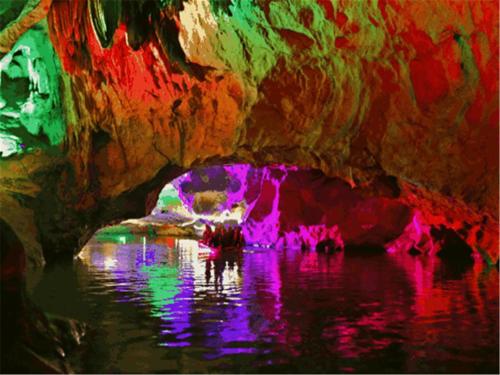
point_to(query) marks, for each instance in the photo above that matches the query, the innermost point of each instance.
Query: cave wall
(292, 207)
(357, 90)
(406, 88)
(287, 206)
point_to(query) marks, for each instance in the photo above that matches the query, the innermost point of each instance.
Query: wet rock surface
(31, 342)
(358, 92)
(395, 103)
(291, 207)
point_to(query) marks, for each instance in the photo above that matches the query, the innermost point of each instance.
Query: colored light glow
(259, 300)
(253, 198)
(28, 107)
(119, 234)
(168, 197)
(9, 145)
(109, 263)
(416, 235)
(36, 106)
(162, 285)
(276, 208)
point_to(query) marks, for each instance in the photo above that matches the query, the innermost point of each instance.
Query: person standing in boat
(207, 235)
(239, 239)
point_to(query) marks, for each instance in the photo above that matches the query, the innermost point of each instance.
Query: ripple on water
(155, 308)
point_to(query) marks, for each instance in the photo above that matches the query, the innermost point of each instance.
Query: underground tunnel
(249, 186)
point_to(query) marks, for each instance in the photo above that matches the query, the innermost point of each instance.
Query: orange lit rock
(356, 90)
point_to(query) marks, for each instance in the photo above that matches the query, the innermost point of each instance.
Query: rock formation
(287, 206)
(406, 90)
(30, 341)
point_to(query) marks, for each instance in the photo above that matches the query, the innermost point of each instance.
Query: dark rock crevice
(64, 229)
(31, 342)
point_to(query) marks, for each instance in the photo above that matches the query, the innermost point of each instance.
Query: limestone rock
(356, 90)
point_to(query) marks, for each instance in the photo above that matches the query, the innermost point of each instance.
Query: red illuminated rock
(355, 90)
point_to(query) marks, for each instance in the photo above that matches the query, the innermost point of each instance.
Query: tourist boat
(220, 249)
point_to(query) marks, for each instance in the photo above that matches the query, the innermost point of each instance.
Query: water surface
(164, 305)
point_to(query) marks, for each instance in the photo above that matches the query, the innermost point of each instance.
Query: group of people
(223, 237)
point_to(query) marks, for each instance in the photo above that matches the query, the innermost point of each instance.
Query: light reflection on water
(166, 305)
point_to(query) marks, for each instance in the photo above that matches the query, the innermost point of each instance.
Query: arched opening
(315, 247)
(286, 206)
(278, 206)
(367, 266)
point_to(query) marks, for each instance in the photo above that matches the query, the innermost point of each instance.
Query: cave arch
(294, 97)
(286, 206)
(116, 101)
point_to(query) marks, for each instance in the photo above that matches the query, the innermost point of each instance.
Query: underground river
(161, 304)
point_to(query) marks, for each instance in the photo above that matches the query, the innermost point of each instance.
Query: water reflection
(168, 305)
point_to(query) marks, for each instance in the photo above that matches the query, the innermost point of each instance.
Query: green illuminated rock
(30, 102)
(355, 89)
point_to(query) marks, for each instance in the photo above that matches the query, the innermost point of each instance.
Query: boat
(220, 249)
